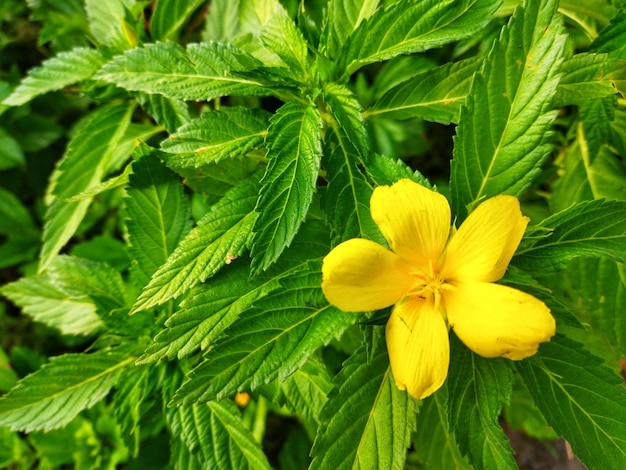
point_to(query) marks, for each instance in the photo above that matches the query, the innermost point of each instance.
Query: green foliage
(172, 174)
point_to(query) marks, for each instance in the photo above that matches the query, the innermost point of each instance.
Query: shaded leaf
(169, 17)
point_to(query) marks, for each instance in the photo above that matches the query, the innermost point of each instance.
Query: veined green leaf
(170, 113)
(612, 39)
(85, 163)
(79, 277)
(158, 214)
(367, 420)
(108, 25)
(435, 95)
(595, 125)
(347, 113)
(386, 171)
(581, 399)
(347, 197)
(45, 303)
(407, 27)
(60, 71)
(282, 37)
(221, 235)
(589, 76)
(502, 138)
(216, 135)
(588, 229)
(343, 17)
(271, 341)
(202, 72)
(215, 434)
(477, 390)
(295, 149)
(211, 308)
(434, 445)
(51, 397)
(170, 16)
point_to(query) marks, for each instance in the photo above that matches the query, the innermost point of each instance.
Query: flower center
(427, 285)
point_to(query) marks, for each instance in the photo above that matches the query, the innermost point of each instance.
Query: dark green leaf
(612, 39)
(595, 117)
(295, 149)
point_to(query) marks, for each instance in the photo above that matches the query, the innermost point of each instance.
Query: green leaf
(407, 27)
(295, 149)
(221, 235)
(435, 95)
(436, 447)
(58, 72)
(589, 76)
(477, 390)
(51, 397)
(169, 17)
(386, 171)
(45, 303)
(202, 72)
(158, 214)
(78, 277)
(216, 135)
(20, 234)
(11, 154)
(170, 113)
(272, 340)
(347, 197)
(211, 308)
(108, 25)
(612, 39)
(85, 163)
(502, 138)
(595, 125)
(581, 399)
(343, 17)
(216, 435)
(587, 229)
(367, 421)
(282, 37)
(346, 110)
(222, 21)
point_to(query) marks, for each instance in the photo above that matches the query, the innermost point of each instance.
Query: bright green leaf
(409, 27)
(503, 132)
(64, 69)
(170, 16)
(477, 391)
(216, 135)
(347, 113)
(367, 421)
(435, 95)
(158, 214)
(221, 235)
(343, 17)
(107, 23)
(581, 399)
(51, 397)
(295, 149)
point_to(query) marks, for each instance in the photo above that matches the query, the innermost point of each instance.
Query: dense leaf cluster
(174, 172)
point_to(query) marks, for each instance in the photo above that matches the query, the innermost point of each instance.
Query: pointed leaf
(282, 37)
(295, 149)
(51, 397)
(612, 39)
(581, 399)
(435, 95)
(477, 391)
(344, 16)
(347, 113)
(84, 165)
(221, 235)
(107, 23)
(409, 27)
(216, 135)
(272, 340)
(367, 421)
(588, 229)
(158, 214)
(502, 138)
(60, 71)
(216, 435)
(595, 125)
(41, 300)
(202, 72)
(169, 17)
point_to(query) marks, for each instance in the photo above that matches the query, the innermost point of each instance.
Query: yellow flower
(438, 278)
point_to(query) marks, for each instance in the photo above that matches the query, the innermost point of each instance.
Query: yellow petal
(484, 244)
(360, 275)
(414, 220)
(418, 346)
(494, 320)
